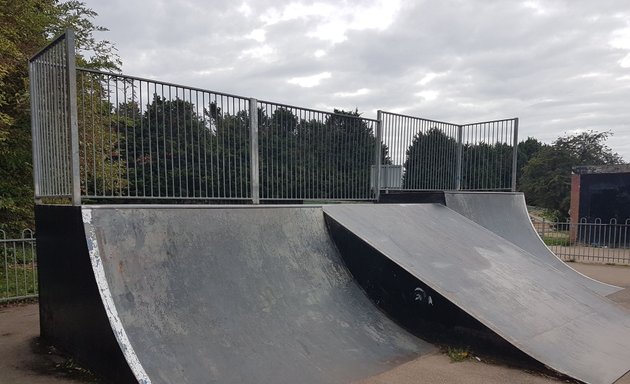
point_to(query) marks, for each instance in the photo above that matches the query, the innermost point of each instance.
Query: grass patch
(556, 240)
(16, 254)
(457, 354)
(17, 280)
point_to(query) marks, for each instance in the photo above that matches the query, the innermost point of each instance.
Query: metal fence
(586, 241)
(308, 154)
(141, 139)
(101, 136)
(441, 155)
(18, 267)
(51, 73)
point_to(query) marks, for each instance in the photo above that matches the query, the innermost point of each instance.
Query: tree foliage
(547, 175)
(431, 161)
(26, 26)
(526, 150)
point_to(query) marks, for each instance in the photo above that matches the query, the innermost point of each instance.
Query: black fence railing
(18, 266)
(587, 241)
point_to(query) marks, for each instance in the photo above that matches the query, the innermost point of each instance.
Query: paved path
(23, 360)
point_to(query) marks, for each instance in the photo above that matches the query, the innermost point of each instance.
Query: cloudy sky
(562, 66)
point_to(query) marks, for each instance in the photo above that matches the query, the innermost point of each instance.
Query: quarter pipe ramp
(505, 214)
(557, 321)
(230, 295)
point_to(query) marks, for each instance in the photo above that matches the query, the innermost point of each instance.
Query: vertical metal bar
(460, 153)
(6, 263)
(72, 117)
(34, 128)
(253, 149)
(514, 154)
(378, 155)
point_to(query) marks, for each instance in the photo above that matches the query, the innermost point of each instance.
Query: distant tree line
(173, 148)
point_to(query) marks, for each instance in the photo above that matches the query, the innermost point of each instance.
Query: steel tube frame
(60, 131)
(253, 150)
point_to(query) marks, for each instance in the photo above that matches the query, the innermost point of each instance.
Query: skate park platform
(162, 294)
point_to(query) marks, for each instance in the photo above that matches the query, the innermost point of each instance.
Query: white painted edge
(108, 301)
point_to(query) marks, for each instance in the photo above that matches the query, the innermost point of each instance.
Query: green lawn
(557, 240)
(18, 272)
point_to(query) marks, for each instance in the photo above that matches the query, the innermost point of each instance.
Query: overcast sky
(561, 66)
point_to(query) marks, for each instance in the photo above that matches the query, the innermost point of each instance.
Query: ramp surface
(505, 213)
(237, 295)
(556, 321)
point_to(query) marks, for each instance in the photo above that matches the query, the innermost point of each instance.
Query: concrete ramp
(505, 214)
(236, 295)
(522, 298)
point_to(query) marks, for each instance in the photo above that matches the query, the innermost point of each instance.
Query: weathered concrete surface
(506, 215)
(237, 295)
(522, 298)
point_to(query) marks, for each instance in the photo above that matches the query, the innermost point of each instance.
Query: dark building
(600, 194)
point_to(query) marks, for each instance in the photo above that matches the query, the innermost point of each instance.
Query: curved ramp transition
(505, 213)
(236, 295)
(524, 299)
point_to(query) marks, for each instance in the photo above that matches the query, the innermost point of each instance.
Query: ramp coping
(108, 301)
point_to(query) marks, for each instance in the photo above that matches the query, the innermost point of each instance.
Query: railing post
(514, 154)
(253, 150)
(73, 125)
(460, 154)
(34, 128)
(378, 154)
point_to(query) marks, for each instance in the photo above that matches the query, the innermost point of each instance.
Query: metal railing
(586, 241)
(308, 154)
(53, 92)
(18, 267)
(141, 139)
(102, 136)
(441, 155)
(489, 155)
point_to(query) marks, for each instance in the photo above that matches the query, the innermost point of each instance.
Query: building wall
(605, 196)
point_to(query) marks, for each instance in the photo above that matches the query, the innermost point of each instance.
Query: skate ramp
(557, 321)
(236, 295)
(505, 213)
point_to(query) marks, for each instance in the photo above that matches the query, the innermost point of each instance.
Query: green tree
(431, 161)
(165, 148)
(23, 25)
(487, 166)
(102, 165)
(280, 145)
(547, 175)
(526, 150)
(314, 158)
(26, 26)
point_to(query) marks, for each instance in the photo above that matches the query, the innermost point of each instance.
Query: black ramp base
(72, 316)
(238, 295)
(505, 213)
(558, 322)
